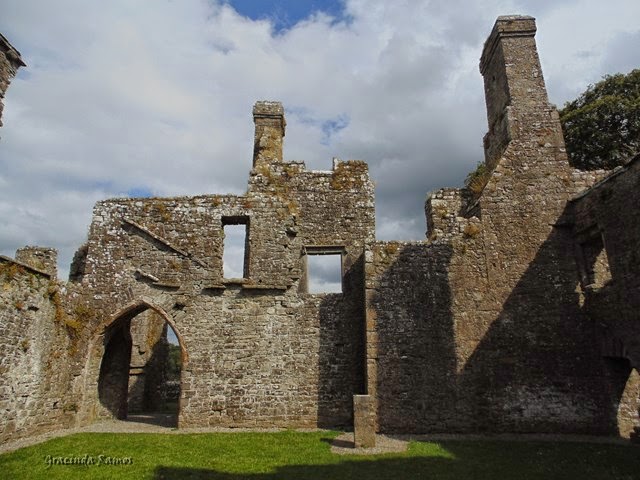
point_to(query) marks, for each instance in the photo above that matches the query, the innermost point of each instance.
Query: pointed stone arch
(107, 368)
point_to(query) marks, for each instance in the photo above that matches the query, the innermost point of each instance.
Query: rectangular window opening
(323, 273)
(235, 248)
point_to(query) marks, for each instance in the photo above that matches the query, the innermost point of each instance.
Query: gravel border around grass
(341, 445)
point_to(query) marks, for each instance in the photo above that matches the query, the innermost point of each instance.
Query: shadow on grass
(392, 469)
(456, 460)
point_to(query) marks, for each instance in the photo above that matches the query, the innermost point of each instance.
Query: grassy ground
(295, 455)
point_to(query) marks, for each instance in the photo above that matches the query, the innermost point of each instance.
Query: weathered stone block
(364, 422)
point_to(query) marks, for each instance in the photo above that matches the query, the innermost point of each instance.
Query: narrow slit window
(323, 271)
(235, 249)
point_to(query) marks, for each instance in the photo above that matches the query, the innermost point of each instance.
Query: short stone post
(364, 425)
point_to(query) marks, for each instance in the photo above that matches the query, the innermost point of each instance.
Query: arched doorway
(140, 371)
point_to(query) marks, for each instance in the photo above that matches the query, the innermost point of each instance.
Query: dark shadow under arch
(132, 378)
(114, 370)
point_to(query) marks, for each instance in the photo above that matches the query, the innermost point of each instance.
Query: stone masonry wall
(491, 336)
(34, 347)
(607, 231)
(149, 351)
(517, 314)
(260, 350)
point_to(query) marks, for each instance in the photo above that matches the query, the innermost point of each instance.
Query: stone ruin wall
(606, 226)
(492, 324)
(257, 351)
(35, 344)
(503, 343)
(149, 354)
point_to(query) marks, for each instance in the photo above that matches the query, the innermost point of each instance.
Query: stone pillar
(10, 62)
(364, 421)
(270, 126)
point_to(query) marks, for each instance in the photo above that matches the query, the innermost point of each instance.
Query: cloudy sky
(139, 98)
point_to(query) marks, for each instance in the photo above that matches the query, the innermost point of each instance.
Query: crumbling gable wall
(260, 350)
(502, 342)
(34, 348)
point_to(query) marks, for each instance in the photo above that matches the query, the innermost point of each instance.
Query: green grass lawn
(296, 455)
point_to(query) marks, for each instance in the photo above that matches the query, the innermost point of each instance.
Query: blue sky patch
(329, 127)
(284, 14)
(332, 126)
(139, 192)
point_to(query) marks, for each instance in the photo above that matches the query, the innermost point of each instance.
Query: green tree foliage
(602, 126)
(174, 362)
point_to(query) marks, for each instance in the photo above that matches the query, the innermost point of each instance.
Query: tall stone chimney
(270, 125)
(10, 62)
(515, 91)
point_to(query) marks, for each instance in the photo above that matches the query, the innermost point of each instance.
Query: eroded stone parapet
(443, 210)
(41, 258)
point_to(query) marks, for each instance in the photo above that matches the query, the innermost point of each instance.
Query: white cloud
(157, 96)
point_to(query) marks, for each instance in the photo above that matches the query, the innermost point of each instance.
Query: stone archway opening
(140, 372)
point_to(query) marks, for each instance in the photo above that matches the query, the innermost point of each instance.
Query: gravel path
(341, 445)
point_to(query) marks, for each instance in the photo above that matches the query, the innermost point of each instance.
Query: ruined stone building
(10, 62)
(519, 313)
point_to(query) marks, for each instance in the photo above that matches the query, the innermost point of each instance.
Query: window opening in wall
(236, 247)
(595, 268)
(323, 270)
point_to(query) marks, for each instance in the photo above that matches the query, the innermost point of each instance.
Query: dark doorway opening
(140, 371)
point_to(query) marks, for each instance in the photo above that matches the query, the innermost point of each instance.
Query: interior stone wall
(481, 327)
(259, 350)
(35, 343)
(606, 226)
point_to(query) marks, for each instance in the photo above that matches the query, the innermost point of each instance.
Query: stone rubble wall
(149, 351)
(481, 328)
(258, 351)
(608, 214)
(517, 314)
(34, 347)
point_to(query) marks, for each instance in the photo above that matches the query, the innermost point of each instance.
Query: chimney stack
(270, 125)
